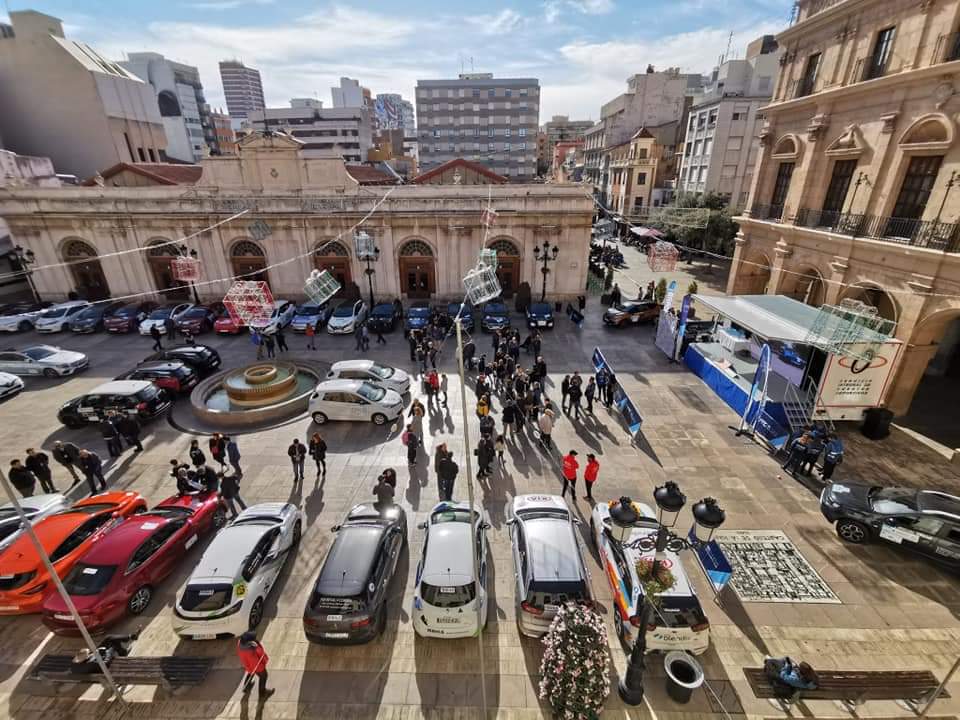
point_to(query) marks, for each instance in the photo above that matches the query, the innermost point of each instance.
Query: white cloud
(505, 21)
(592, 7)
(551, 11)
(227, 4)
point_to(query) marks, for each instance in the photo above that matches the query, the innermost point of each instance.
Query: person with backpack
(298, 454)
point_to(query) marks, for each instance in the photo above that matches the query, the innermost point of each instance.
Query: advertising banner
(666, 338)
(682, 328)
(620, 399)
(714, 563)
(668, 298)
(850, 385)
(758, 391)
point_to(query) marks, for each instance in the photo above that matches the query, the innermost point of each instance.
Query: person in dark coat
(110, 435)
(410, 439)
(22, 479)
(485, 454)
(68, 455)
(297, 453)
(384, 493)
(575, 394)
(615, 295)
(207, 476)
(589, 394)
(281, 340)
(812, 453)
(412, 340)
(129, 427)
(155, 334)
(447, 471)
(196, 454)
(92, 468)
(218, 449)
(38, 463)
(233, 454)
(469, 353)
(798, 452)
(171, 327)
(269, 343)
(509, 416)
(832, 456)
(318, 451)
(564, 392)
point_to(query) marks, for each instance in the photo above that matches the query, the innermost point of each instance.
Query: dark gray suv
(348, 603)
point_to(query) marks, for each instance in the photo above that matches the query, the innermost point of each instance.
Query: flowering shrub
(654, 586)
(575, 678)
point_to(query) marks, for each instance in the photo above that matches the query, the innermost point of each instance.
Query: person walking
(832, 456)
(268, 341)
(798, 451)
(444, 385)
(570, 467)
(196, 454)
(411, 440)
(500, 445)
(230, 490)
(155, 335)
(218, 449)
(129, 427)
(298, 454)
(281, 339)
(68, 455)
(233, 455)
(590, 475)
(485, 454)
(92, 468)
(254, 660)
(575, 395)
(38, 463)
(384, 491)
(545, 424)
(589, 393)
(22, 479)
(447, 471)
(318, 451)
(110, 435)
(564, 392)
(310, 332)
(358, 337)
(417, 412)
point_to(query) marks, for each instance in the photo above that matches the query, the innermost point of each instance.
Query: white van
(354, 400)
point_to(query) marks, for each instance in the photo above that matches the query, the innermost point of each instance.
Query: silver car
(45, 360)
(35, 507)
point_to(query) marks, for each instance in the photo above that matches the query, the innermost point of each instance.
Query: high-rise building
(183, 108)
(325, 132)
(241, 88)
(490, 120)
(62, 99)
(225, 140)
(720, 148)
(392, 112)
(349, 94)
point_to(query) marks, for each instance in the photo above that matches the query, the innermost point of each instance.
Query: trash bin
(684, 675)
(876, 423)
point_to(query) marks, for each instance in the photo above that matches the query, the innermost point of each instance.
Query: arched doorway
(88, 276)
(753, 275)
(159, 255)
(508, 265)
(876, 297)
(805, 285)
(417, 276)
(335, 257)
(248, 261)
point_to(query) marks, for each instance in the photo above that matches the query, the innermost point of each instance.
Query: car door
(168, 545)
(179, 310)
(359, 408)
(906, 531)
(519, 559)
(90, 407)
(337, 407)
(273, 561)
(15, 363)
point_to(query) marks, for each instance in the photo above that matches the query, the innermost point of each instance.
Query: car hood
(416, 321)
(52, 320)
(6, 380)
(399, 377)
(148, 323)
(341, 321)
(494, 319)
(854, 496)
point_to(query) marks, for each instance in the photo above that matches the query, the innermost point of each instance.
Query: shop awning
(646, 232)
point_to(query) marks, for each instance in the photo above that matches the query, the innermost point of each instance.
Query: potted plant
(574, 673)
(654, 586)
(661, 292)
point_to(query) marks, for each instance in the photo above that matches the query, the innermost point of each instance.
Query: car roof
(539, 501)
(68, 304)
(939, 503)
(119, 387)
(348, 564)
(160, 365)
(35, 502)
(225, 554)
(449, 552)
(552, 549)
(121, 542)
(338, 385)
(266, 510)
(352, 365)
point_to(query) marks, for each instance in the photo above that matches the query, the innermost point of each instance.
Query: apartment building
(349, 94)
(854, 191)
(493, 121)
(722, 134)
(225, 139)
(560, 128)
(242, 89)
(63, 100)
(324, 132)
(392, 112)
(642, 170)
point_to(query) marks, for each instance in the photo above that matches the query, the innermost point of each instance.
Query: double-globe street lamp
(194, 255)
(624, 521)
(26, 258)
(545, 254)
(367, 251)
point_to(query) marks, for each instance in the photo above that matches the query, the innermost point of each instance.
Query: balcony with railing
(771, 213)
(804, 11)
(930, 234)
(869, 68)
(947, 48)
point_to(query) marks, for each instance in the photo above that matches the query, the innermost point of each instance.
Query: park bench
(168, 672)
(914, 688)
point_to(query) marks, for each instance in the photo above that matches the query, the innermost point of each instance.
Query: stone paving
(896, 612)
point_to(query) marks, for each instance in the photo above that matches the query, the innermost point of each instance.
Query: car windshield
(39, 353)
(540, 309)
(419, 312)
(383, 310)
(495, 309)
(893, 501)
(450, 515)
(206, 597)
(125, 311)
(54, 312)
(447, 596)
(88, 509)
(371, 392)
(308, 310)
(197, 312)
(91, 312)
(86, 579)
(343, 311)
(382, 371)
(161, 313)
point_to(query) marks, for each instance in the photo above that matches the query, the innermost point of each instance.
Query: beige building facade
(854, 194)
(428, 235)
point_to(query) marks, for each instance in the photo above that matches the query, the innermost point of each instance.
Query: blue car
(383, 317)
(418, 316)
(309, 314)
(466, 315)
(790, 356)
(495, 316)
(539, 315)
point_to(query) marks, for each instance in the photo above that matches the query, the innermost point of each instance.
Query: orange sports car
(65, 536)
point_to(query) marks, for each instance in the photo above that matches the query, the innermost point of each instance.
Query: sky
(582, 51)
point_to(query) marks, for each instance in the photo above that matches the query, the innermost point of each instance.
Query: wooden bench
(168, 672)
(853, 687)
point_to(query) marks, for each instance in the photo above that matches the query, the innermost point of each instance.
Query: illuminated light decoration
(481, 284)
(366, 246)
(321, 286)
(851, 329)
(185, 269)
(488, 257)
(662, 256)
(489, 217)
(249, 302)
(672, 216)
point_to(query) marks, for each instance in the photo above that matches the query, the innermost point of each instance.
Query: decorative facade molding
(889, 121)
(818, 124)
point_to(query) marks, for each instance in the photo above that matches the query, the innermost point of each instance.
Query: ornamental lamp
(670, 501)
(709, 517)
(623, 519)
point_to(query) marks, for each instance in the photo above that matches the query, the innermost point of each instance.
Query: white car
(58, 317)
(346, 318)
(446, 597)
(385, 376)
(159, 316)
(679, 623)
(35, 507)
(19, 321)
(282, 315)
(227, 591)
(354, 400)
(9, 385)
(45, 360)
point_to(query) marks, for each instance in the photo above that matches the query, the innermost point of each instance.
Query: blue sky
(581, 50)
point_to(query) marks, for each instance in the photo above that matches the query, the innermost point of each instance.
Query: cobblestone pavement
(896, 611)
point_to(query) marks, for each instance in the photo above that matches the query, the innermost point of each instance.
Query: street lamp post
(369, 259)
(26, 258)
(192, 252)
(624, 520)
(545, 254)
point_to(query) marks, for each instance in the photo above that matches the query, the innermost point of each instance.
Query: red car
(127, 318)
(225, 325)
(119, 574)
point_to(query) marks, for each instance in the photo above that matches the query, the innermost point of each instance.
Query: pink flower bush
(574, 672)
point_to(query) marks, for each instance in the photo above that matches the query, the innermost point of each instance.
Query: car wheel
(379, 419)
(23, 326)
(319, 418)
(256, 614)
(49, 373)
(297, 534)
(853, 532)
(219, 518)
(618, 628)
(139, 600)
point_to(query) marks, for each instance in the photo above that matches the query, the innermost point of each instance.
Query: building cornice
(823, 18)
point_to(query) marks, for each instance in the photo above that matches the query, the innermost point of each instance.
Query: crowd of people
(806, 449)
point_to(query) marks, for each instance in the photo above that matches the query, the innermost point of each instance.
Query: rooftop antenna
(729, 41)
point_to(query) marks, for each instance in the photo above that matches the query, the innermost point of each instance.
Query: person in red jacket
(570, 467)
(254, 660)
(590, 475)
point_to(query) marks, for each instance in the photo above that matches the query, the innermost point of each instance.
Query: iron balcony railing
(767, 212)
(930, 234)
(948, 48)
(870, 68)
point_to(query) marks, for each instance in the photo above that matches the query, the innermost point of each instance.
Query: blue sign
(759, 387)
(576, 317)
(599, 361)
(714, 563)
(682, 328)
(620, 400)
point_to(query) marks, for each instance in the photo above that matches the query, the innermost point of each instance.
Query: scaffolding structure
(321, 286)
(250, 303)
(852, 329)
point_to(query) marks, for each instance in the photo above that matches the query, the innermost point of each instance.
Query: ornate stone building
(854, 194)
(428, 235)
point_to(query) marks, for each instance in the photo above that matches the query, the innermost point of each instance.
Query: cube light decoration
(662, 256)
(488, 257)
(482, 284)
(249, 302)
(185, 269)
(366, 247)
(321, 286)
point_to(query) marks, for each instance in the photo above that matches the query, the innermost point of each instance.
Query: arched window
(333, 248)
(931, 130)
(247, 248)
(75, 249)
(787, 148)
(161, 248)
(504, 247)
(169, 107)
(416, 248)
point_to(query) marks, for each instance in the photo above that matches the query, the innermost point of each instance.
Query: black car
(171, 375)
(540, 315)
(201, 358)
(127, 397)
(348, 603)
(496, 316)
(127, 318)
(466, 315)
(198, 319)
(92, 318)
(923, 521)
(418, 316)
(631, 312)
(383, 318)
